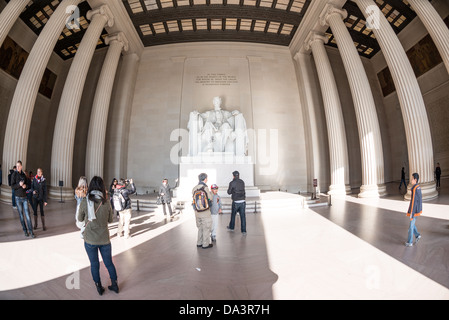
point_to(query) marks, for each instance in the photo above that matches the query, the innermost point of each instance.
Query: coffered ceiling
(159, 22)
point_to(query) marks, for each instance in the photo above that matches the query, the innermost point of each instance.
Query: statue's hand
(235, 112)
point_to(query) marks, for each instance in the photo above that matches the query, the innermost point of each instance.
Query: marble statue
(217, 130)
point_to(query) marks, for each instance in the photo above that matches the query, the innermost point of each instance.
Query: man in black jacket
(20, 184)
(237, 191)
(13, 196)
(438, 174)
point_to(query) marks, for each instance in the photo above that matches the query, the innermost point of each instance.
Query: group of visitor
(96, 206)
(28, 190)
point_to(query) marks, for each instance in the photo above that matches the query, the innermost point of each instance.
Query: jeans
(402, 181)
(39, 203)
(169, 208)
(214, 225)
(14, 204)
(106, 254)
(240, 208)
(22, 207)
(412, 230)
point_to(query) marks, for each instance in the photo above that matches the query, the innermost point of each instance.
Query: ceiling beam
(228, 35)
(216, 12)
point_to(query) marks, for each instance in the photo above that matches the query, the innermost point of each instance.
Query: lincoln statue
(217, 130)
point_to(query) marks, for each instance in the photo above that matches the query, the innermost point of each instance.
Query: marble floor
(353, 249)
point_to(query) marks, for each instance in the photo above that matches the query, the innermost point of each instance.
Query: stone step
(272, 201)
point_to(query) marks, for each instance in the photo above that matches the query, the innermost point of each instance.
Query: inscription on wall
(216, 79)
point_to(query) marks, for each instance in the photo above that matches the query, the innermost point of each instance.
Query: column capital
(329, 10)
(313, 37)
(104, 11)
(119, 37)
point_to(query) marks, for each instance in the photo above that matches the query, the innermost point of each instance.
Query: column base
(6, 195)
(428, 191)
(372, 191)
(339, 190)
(66, 194)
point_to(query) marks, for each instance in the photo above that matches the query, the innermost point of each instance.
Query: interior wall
(266, 92)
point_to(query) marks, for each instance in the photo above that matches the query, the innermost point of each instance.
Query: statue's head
(217, 103)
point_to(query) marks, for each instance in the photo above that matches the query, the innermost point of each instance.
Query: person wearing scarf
(96, 212)
(39, 192)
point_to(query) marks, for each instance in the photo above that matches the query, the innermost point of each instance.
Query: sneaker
(408, 244)
(244, 233)
(229, 229)
(209, 246)
(417, 239)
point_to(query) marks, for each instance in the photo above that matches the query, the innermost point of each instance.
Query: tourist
(203, 217)
(124, 188)
(215, 209)
(80, 194)
(237, 191)
(402, 178)
(96, 212)
(29, 193)
(39, 193)
(13, 196)
(111, 192)
(438, 174)
(165, 196)
(19, 185)
(414, 210)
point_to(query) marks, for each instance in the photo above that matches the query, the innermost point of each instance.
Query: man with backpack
(201, 205)
(122, 203)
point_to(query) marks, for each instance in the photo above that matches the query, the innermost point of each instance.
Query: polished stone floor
(353, 249)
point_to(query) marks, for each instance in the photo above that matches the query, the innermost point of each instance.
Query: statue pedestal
(219, 167)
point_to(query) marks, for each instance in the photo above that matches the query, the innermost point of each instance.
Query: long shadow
(170, 266)
(387, 231)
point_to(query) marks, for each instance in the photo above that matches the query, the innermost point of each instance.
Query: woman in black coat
(39, 192)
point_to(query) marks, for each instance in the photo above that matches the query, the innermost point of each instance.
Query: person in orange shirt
(414, 210)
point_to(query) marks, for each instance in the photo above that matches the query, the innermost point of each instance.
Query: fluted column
(435, 25)
(100, 109)
(64, 134)
(338, 149)
(311, 124)
(367, 122)
(9, 16)
(116, 160)
(416, 123)
(22, 106)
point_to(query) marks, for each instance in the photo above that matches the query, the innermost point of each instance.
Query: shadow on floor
(387, 231)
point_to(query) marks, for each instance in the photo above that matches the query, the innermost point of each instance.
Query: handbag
(159, 200)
